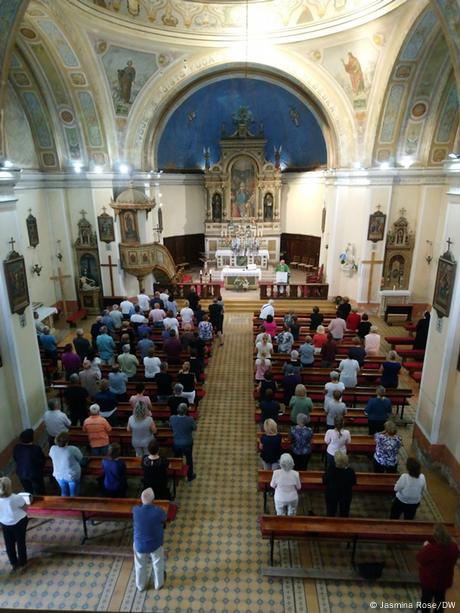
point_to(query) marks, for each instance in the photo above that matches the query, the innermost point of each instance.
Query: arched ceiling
(419, 116)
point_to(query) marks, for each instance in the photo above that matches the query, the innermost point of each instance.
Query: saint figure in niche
(126, 78)
(216, 207)
(268, 207)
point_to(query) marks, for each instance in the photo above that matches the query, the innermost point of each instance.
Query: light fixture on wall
(36, 269)
(429, 252)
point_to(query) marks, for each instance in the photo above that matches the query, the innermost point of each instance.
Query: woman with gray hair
(286, 483)
(301, 436)
(13, 520)
(142, 428)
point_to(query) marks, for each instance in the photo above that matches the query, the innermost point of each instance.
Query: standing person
(96, 330)
(140, 396)
(13, 519)
(331, 386)
(364, 326)
(152, 364)
(114, 473)
(127, 308)
(107, 402)
(170, 322)
(334, 407)
(319, 339)
(285, 340)
(270, 326)
(186, 315)
(164, 382)
(188, 382)
(30, 462)
(353, 320)
(270, 445)
(339, 480)
(421, 331)
(183, 426)
(155, 468)
(156, 316)
(291, 379)
(144, 344)
(436, 562)
(328, 352)
(269, 408)
(349, 370)
(378, 411)
(177, 398)
(390, 370)
(143, 301)
(117, 383)
(148, 527)
(307, 353)
(193, 298)
(105, 346)
(117, 316)
(216, 316)
(128, 362)
(387, 446)
(300, 403)
(266, 310)
(70, 361)
(337, 328)
(294, 327)
(56, 421)
(49, 345)
(265, 384)
(265, 346)
(142, 428)
(98, 429)
(205, 329)
(81, 344)
(344, 308)
(172, 347)
(262, 364)
(372, 342)
(301, 437)
(357, 351)
(75, 397)
(316, 319)
(89, 378)
(286, 483)
(66, 465)
(336, 440)
(409, 489)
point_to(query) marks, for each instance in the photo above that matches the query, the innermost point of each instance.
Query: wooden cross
(11, 242)
(60, 279)
(110, 266)
(372, 262)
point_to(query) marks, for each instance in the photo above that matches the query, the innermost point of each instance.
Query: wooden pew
(79, 507)
(322, 375)
(93, 467)
(356, 417)
(396, 341)
(360, 443)
(164, 437)
(160, 412)
(312, 481)
(299, 527)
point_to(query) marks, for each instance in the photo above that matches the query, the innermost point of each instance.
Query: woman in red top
(319, 339)
(436, 560)
(353, 320)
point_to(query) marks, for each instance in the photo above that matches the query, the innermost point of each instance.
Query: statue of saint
(126, 77)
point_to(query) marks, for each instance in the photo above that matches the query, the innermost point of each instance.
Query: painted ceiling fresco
(201, 120)
(231, 17)
(421, 102)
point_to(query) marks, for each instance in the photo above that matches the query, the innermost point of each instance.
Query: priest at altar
(282, 267)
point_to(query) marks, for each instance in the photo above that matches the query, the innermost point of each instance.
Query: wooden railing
(294, 291)
(204, 290)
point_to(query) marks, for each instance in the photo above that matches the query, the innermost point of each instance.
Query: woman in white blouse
(286, 483)
(337, 440)
(13, 520)
(409, 489)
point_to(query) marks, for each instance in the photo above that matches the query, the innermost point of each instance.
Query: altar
(227, 257)
(240, 278)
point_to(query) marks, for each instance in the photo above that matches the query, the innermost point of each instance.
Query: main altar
(243, 191)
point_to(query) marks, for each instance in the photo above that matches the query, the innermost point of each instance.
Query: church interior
(294, 151)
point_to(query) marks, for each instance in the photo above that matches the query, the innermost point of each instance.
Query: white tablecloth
(44, 312)
(228, 253)
(240, 272)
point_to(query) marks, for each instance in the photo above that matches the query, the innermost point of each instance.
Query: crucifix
(11, 242)
(110, 266)
(372, 262)
(60, 279)
(448, 241)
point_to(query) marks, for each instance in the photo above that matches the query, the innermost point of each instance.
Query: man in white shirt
(127, 308)
(334, 384)
(164, 296)
(137, 318)
(56, 421)
(267, 310)
(186, 314)
(143, 301)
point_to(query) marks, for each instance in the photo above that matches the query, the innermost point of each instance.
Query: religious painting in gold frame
(16, 282)
(128, 227)
(243, 188)
(376, 229)
(106, 228)
(444, 287)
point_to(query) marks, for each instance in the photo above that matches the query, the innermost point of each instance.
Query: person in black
(81, 344)
(270, 445)
(76, 397)
(30, 462)
(164, 383)
(155, 469)
(176, 399)
(328, 352)
(357, 351)
(316, 319)
(339, 480)
(294, 327)
(95, 330)
(199, 346)
(199, 313)
(193, 298)
(421, 331)
(364, 326)
(196, 366)
(344, 308)
(269, 408)
(216, 317)
(267, 383)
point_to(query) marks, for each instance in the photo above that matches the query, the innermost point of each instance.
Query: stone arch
(319, 90)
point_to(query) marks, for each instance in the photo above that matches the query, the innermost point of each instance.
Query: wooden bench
(93, 467)
(360, 443)
(75, 317)
(356, 417)
(395, 341)
(398, 309)
(411, 354)
(164, 436)
(354, 529)
(312, 481)
(79, 507)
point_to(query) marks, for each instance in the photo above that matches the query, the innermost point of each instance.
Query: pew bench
(396, 341)
(164, 436)
(354, 529)
(360, 443)
(312, 481)
(355, 417)
(85, 509)
(76, 316)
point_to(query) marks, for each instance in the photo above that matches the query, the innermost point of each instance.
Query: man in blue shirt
(105, 346)
(183, 426)
(378, 410)
(148, 527)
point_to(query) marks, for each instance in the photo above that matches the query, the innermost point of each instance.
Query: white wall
(302, 198)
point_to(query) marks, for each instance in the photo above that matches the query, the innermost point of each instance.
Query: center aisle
(214, 549)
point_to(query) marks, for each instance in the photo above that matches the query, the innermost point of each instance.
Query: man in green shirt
(282, 267)
(128, 362)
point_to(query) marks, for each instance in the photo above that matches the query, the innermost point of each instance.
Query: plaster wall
(302, 203)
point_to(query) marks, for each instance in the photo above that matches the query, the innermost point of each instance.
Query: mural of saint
(353, 68)
(126, 77)
(243, 188)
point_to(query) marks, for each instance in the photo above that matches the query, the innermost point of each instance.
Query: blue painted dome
(198, 121)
